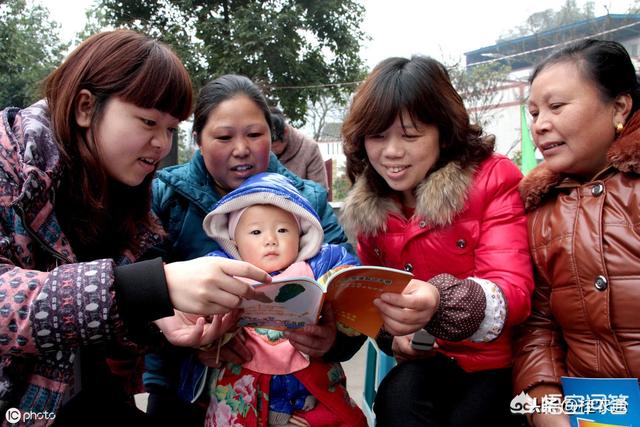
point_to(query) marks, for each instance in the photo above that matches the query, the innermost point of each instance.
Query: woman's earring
(619, 128)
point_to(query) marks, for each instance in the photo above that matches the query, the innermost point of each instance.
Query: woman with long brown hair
(75, 194)
(431, 197)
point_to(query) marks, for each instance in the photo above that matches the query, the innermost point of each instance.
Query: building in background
(330, 142)
(522, 53)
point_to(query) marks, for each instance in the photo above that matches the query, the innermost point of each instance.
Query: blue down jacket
(184, 194)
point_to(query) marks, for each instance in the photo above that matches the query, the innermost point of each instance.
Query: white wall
(333, 150)
(505, 124)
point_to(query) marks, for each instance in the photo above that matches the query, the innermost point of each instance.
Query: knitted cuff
(141, 291)
(495, 313)
(461, 309)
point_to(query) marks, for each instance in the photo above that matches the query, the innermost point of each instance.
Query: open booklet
(292, 303)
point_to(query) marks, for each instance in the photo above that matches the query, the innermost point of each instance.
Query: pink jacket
(302, 156)
(52, 305)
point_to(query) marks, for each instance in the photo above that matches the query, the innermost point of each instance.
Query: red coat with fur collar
(467, 223)
(585, 245)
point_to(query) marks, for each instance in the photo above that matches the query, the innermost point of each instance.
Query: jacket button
(422, 224)
(408, 267)
(601, 283)
(377, 251)
(597, 189)
(461, 243)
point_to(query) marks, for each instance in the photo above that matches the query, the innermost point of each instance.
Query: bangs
(396, 93)
(162, 83)
(377, 113)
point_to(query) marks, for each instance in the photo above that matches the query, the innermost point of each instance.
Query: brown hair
(421, 87)
(138, 70)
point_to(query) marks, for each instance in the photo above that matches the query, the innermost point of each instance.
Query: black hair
(222, 89)
(279, 124)
(606, 63)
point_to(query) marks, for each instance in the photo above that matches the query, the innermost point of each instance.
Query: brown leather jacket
(585, 245)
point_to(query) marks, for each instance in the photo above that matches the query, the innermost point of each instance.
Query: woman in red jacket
(430, 197)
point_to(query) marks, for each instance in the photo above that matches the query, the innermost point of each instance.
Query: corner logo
(524, 404)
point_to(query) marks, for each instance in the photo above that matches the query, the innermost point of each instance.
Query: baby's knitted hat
(265, 189)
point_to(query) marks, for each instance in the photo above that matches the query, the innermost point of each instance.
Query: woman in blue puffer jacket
(232, 127)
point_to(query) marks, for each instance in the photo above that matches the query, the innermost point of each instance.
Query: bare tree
(546, 19)
(479, 87)
(326, 109)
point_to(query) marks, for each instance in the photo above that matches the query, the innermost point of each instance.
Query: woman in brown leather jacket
(583, 206)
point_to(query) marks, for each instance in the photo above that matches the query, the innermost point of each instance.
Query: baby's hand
(189, 330)
(315, 340)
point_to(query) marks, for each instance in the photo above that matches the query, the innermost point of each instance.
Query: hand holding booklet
(292, 303)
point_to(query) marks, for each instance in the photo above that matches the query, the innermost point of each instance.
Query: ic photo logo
(13, 415)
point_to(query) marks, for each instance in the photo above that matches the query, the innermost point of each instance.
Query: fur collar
(623, 155)
(439, 198)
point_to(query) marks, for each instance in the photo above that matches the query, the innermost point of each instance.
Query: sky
(444, 29)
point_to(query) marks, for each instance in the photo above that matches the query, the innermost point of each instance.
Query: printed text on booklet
(292, 303)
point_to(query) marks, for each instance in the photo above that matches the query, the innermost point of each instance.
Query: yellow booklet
(294, 302)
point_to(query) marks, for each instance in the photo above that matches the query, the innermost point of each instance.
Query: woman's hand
(207, 285)
(315, 340)
(405, 313)
(189, 330)
(403, 351)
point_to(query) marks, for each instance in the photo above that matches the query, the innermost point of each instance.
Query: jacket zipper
(57, 255)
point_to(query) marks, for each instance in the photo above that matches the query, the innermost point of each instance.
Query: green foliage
(341, 184)
(186, 149)
(96, 21)
(283, 45)
(30, 49)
